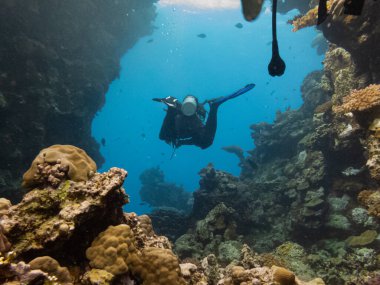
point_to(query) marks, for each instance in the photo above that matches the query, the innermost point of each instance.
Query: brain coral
(57, 163)
(52, 267)
(113, 250)
(360, 100)
(160, 267)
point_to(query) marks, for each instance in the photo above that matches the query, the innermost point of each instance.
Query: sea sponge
(283, 276)
(160, 267)
(360, 100)
(309, 19)
(364, 239)
(371, 200)
(113, 250)
(58, 163)
(51, 266)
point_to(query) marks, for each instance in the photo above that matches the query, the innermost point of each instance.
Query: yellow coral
(54, 163)
(160, 267)
(113, 250)
(360, 100)
(309, 19)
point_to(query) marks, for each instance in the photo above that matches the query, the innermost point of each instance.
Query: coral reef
(57, 61)
(158, 193)
(305, 188)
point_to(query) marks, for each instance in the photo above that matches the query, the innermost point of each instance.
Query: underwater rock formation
(57, 61)
(358, 35)
(158, 193)
(52, 221)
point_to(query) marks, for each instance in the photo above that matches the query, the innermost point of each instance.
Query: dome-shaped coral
(283, 276)
(57, 163)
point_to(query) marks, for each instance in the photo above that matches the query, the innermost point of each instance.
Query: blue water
(176, 63)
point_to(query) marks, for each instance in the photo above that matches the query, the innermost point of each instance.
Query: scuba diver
(184, 122)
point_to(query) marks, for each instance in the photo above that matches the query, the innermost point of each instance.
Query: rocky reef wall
(57, 59)
(308, 194)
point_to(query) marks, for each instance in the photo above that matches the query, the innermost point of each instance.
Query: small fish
(103, 141)
(269, 43)
(149, 41)
(272, 92)
(143, 135)
(142, 203)
(202, 36)
(239, 25)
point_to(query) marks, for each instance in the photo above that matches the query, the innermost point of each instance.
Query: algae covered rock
(65, 220)
(58, 163)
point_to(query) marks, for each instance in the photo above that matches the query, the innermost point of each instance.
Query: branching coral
(57, 163)
(360, 100)
(309, 19)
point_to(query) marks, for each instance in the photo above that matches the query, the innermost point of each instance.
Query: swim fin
(223, 99)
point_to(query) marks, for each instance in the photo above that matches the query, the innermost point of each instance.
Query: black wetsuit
(178, 129)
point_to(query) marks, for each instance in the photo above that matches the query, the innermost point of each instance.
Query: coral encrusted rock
(65, 220)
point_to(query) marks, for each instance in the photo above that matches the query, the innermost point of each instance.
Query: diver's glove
(169, 101)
